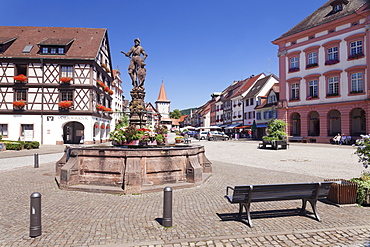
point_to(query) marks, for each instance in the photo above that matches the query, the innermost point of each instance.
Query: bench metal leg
(313, 205)
(247, 210)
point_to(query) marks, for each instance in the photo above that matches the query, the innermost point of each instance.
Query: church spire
(162, 96)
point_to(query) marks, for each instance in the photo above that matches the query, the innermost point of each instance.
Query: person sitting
(344, 139)
(336, 139)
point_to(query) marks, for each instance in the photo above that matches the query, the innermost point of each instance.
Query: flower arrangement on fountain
(143, 136)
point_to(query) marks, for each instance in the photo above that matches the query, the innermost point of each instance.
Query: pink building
(324, 80)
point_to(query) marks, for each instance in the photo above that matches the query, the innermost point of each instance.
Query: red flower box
(102, 127)
(100, 83)
(20, 78)
(19, 104)
(65, 104)
(110, 92)
(66, 80)
(100, 107)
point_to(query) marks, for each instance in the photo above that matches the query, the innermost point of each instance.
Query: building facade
(324, 79)
(55, 84)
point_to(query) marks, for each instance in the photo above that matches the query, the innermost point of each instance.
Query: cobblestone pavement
(201, 216)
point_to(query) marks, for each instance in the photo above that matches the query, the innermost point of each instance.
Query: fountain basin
(131, 170)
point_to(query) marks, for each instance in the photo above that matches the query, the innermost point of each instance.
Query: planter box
(342, 191)
(2, 146)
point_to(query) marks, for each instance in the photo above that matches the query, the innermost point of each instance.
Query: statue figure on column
(136, 69)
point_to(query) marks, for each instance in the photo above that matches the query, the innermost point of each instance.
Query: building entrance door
(73, 133)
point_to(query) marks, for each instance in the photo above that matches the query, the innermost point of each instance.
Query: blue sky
(196, 47)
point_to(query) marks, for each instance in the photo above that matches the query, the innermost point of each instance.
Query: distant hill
(187, 111)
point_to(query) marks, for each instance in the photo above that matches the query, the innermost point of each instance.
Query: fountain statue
(137, 73)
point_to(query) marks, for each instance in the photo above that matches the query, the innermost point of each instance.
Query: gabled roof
(325, 14)
(182, 118)
(86, 41)
(246, 84)
(257, 87)
(264, 99)
(150, 107)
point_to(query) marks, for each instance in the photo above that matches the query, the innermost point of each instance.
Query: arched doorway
(314, 124)
(73, 133)
(335, 126)
(295, 129)
(358, 122)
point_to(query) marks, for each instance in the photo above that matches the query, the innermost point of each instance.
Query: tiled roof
(86, 41)
(162, 96)
(324, 15)
(259, 85)
(246, 84)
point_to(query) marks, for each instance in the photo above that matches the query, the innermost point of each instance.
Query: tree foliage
(175, 114)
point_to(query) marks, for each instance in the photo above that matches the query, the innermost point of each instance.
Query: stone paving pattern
(201, 216)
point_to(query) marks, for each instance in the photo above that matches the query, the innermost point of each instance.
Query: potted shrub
(275, 133)
(179, 139)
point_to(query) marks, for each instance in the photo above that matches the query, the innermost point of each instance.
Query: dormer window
(5, 42)
(338, 6)
(55, 46)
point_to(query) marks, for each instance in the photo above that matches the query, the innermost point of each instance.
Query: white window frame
(333, 85)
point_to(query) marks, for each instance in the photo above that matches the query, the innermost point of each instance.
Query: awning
(244, 127)
(232, 126)
(261, 125)
(223, 125)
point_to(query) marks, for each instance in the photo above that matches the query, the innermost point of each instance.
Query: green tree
(175, 114)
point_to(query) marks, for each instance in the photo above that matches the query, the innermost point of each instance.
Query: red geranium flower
(20, 77)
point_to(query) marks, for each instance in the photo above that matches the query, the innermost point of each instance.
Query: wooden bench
(244, 195)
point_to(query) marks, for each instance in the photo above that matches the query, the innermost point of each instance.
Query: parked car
(217, 135)
(190, 133)
(202, 135)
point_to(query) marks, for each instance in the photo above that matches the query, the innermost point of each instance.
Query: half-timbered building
(55, 84)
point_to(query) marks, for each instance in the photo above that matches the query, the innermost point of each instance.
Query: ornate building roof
(330, 11)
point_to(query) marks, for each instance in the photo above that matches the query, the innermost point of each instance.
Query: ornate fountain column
(138, 115)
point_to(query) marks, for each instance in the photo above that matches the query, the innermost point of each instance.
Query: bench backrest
(273, 192)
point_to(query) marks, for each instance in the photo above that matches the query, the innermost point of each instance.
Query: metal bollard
(35, 215)
(36, 160)
(167, 207)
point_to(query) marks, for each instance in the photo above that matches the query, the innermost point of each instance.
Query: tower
(162, 103)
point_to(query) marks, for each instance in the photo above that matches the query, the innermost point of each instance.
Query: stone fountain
(136, 169)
